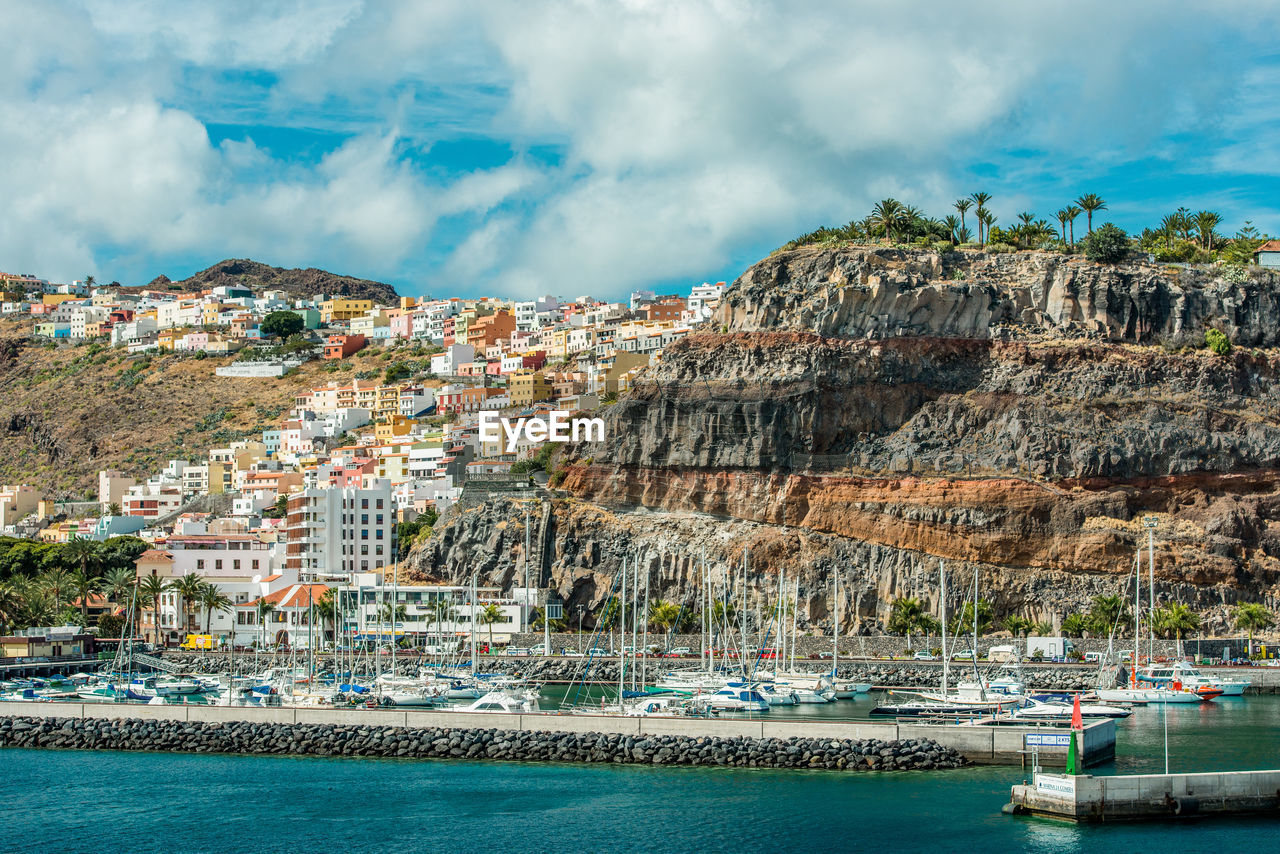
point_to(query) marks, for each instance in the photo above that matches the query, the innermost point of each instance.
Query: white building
(340, 530)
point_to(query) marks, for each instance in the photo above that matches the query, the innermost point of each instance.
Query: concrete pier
(1085, 798)
(981, 744)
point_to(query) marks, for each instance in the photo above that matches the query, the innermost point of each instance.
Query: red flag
(1077, 719)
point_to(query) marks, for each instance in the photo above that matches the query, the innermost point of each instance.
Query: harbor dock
(1085, 798)
(981, 743)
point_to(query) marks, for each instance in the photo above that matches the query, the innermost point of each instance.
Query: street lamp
(581, 608)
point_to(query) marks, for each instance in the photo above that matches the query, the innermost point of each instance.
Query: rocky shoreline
(244, 737)
(897, 674)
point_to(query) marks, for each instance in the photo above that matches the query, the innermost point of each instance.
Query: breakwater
(252, 737)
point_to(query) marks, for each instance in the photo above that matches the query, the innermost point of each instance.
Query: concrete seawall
(991, 745)
(1087, 798)
(390, 741)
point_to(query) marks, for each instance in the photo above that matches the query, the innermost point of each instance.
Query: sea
(109, 801)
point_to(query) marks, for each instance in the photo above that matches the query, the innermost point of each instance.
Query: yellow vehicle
(197, 642)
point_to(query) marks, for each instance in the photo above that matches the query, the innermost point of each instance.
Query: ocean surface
(124, 802)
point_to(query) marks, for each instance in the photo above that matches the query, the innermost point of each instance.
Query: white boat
(422, 697)
(846, 690)
(666, 707)
(737, 697)
(504, 701)
(1038, 710)
(1148, 695)
(1180, 673)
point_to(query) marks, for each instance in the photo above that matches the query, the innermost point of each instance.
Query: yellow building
(529, 387)
(58, 299)
(392, 428)
(344, 309)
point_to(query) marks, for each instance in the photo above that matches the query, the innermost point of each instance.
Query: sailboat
(967, 698)
(1134, 691)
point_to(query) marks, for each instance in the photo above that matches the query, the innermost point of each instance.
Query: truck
(1048, 649)
(197, 642)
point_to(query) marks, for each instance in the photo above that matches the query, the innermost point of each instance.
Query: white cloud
(685, 132)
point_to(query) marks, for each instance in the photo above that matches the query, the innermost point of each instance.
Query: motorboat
(968, 698)
(846, 690)
(504, 701)
(1152, 695)
(737, 697)
(1041, 710)
(778, 695)
(667, 707)
(1180, 672)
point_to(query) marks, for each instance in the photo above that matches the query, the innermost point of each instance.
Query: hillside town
(341, 484)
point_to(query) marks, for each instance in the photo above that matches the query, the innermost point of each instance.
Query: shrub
(1001, 248)
(1107, 245)
(1217, 341)
(282, 324)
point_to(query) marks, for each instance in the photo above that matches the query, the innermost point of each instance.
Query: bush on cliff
(1217, 341)
(1107, 245)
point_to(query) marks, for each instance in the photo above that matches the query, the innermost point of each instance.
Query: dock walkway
(1085, 798)
(986, 745)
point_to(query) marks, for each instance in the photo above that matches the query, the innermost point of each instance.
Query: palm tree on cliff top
(889, 214)
(963, 205)
(981, 199)
(1089, 203)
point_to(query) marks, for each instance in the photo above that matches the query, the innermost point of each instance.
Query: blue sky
(584, 147)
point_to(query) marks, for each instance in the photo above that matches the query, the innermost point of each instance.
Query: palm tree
(89, 281)
(490, 615)
(1017, 625)
(1184, 220)
(1252, 617)
(1206, 222)
(84, 585)
(663, 614)
(962, 623)
(1072, 212)
(326, 609)
(988, 219)
(212, 599)
(1075, 625)
(952, 225)
(188, 588)
(1089, 203)
(889, 214)
(118, 583)
(57, 581)
(10, 604)
(264, 609)
(904, 615)
(150, 592)
(1177, 618)
(1062, 216)
(980, 201)
(79, 553)
(38, 607)
(963, 205)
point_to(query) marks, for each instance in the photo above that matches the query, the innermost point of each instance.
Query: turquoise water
(118, 802)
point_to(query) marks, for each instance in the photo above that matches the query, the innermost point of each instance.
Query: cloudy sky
(515, 148)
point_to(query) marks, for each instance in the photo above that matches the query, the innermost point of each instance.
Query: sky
(516, 149)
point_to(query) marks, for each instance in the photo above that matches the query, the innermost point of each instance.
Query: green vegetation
(1252, 617)
(39, 580)
(1108, 245)
(282, 324)
(1183, 236)
(1217, 341)
(409, 534)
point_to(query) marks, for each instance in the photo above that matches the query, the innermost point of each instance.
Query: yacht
(967, 698)
(1040, 710)
(1182, 673)
(504, 701)
(737, 697)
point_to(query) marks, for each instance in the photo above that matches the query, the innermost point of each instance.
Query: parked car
(677, 651)
(924, 655)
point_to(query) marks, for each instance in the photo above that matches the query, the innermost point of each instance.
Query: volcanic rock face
(298, 283)
(871, 412)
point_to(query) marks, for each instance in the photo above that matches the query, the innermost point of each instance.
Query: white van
(1002, 653)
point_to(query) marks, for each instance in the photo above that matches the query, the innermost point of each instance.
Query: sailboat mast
(743, 657)
(1137, 615)
(622, 632)
(473, 624)
(942, 612)
(835, 626)
(1151, 597)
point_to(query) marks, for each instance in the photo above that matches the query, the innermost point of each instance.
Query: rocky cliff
(871, 412)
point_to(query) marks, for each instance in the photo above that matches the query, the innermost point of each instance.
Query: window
(379, 549)
(217, 564)
(235, 564)
(364, 518)
(255, 563)
(364, 504)
(364, 550)
(364, 533)
(379, 518)
(379, 504)
(200, 563)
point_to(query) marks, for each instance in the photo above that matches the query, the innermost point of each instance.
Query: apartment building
(339, 530)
